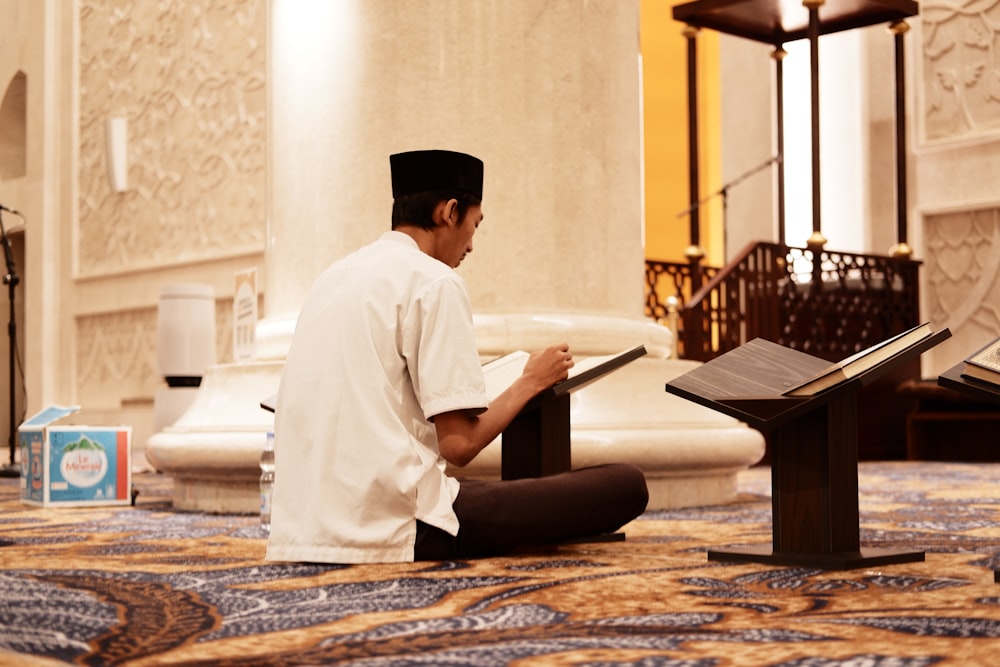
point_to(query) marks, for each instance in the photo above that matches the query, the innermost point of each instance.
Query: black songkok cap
(429, 171)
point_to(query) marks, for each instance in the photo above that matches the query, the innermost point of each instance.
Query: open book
(500, 373)
(984, 364)
(860, 362)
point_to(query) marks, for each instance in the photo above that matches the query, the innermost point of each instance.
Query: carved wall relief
(962, 278)
(960, 69)
(116, 354)
(190, 79)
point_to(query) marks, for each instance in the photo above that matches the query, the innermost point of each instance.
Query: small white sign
(245, 316)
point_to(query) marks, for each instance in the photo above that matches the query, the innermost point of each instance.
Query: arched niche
(13, 139)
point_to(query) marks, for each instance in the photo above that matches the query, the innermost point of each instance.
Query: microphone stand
(724, 193)
(12, 280)
(724, 190)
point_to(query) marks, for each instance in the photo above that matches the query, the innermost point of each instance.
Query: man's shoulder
(404, 255)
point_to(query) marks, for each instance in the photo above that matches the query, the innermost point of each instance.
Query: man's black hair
(418, 208)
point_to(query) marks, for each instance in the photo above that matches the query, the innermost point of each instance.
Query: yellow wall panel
(665, 126)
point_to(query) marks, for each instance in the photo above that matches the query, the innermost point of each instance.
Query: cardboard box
(64, 464)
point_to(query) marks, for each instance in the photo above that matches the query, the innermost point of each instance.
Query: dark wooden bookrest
(537, 441)
(814, 456)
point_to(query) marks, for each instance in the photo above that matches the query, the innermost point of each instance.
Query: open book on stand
(984, 363)
(761, 381)
(860, 362)
(500, 373)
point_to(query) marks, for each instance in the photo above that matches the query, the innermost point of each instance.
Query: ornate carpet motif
(147, 585)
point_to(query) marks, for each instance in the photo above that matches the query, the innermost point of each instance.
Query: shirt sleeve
(442, 356)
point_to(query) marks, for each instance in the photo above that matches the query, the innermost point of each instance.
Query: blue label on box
(84, 465)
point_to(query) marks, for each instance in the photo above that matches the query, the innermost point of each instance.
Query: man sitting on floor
(383, 385)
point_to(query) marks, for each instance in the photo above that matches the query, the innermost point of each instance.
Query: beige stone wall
(25, 136)
(189, 77)
(957, 168)
(546, 93)
(961, 278)
(958, 72)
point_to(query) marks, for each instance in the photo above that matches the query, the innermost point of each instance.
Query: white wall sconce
(117, 148)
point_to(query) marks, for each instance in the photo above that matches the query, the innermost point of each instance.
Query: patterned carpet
(146, 585)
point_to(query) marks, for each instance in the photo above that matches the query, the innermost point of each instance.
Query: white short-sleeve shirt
(384, 342)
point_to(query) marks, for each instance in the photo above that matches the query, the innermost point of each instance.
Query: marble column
(548, 95)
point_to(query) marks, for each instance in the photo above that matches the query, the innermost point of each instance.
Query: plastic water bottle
(266, 481)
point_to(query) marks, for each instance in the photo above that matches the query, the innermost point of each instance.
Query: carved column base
(213, 451)
(690, 454)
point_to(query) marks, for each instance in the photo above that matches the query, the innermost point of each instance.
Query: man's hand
(461, 436)
(548, 366)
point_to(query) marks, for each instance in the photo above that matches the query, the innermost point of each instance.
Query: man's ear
(449, 212)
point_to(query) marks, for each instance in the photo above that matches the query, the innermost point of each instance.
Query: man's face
(458, 239)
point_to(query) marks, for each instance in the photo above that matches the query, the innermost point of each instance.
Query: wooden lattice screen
(830, 306)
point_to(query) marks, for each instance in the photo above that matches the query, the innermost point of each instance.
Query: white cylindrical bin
(185, 347)
(185, 333)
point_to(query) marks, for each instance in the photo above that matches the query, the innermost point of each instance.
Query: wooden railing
(827, 303)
